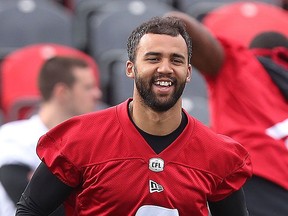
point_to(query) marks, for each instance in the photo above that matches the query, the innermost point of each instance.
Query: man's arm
(232, 205)
(44, 193)
(207, 52)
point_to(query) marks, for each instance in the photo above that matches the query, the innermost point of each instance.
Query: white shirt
(18, 140)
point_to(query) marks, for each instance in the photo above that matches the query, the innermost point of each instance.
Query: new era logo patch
(155, 187)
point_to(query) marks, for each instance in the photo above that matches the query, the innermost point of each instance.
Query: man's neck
(51, 115)
(155, 123)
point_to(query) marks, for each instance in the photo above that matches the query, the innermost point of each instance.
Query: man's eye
(153, 59)
(177, 61)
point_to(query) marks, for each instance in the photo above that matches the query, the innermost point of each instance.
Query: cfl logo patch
(156, 164)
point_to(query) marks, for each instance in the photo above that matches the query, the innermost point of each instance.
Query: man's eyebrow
(174, 55)
(152, 53)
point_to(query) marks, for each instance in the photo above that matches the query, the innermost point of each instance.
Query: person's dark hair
(158, 25)
(58, 69)
(269, 40)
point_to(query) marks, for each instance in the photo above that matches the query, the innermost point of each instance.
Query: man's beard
(151, 99)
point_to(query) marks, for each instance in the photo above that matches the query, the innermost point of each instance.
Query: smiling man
(160, 91)
(145, 156)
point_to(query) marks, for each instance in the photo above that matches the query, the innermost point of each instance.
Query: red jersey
(247, 106)
(115, 172)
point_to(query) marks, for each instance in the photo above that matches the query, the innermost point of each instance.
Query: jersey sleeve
(57, 149)
(234, 181)
(238, 161)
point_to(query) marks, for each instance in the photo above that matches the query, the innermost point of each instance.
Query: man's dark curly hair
(158, 25)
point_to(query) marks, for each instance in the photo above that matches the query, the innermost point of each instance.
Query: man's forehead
(159, 43)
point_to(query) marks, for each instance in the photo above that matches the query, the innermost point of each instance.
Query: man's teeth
(164, 83)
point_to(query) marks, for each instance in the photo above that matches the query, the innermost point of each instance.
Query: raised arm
(207, 52)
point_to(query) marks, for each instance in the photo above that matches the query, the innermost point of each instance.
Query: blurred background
(100, 28)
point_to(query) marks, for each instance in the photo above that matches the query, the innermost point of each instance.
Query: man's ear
(59, 90)
(189, 73)
(130, 69)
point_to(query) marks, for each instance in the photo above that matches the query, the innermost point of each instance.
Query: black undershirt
(159, 143)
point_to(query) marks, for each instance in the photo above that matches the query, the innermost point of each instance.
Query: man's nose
(165, 67)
